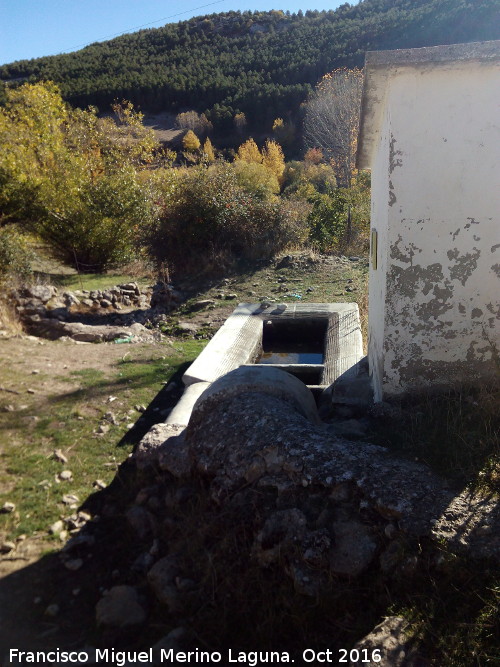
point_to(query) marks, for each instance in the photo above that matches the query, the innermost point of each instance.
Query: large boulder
(249, 432)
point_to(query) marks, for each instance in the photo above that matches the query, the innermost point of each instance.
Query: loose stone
(70, 499)
(7, 508)
(7, 547)
(56, 527)
(120, 608)
(52, 610)
(59, 456)
(74, 564)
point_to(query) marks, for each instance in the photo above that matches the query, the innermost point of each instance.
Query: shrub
(328, 220)
(340, 219)
(209, 218)
(99, 227)
(320, 176)
(72, 177)
(256, 179)
(15, 255)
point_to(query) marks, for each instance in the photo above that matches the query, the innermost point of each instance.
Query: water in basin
(271, 357)
(293, 341)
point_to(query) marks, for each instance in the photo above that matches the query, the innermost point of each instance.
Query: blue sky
(33, 28)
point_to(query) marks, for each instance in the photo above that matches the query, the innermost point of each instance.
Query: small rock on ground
(120, 608)
(7, 508)
(390, 641)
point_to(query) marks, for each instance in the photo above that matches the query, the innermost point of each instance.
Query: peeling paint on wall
(394, 155)
(440, 373)
(406, 255)
(415, 279)
(392, 196)
(464, 265)
(433, 299)
(472, 221)
(432, 309)
(494, 309)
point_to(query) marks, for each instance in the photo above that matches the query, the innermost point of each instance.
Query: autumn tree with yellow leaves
(190, 142)
(249, 152)
(284, 133)
(72, 177)
(207, 151)
(240, 122)
(273, 159)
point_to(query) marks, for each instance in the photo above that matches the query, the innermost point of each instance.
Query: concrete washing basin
(330, 332)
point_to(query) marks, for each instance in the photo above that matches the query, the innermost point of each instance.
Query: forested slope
(260, 63)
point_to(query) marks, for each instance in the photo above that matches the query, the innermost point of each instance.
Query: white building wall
(379, 218)
(434, 310)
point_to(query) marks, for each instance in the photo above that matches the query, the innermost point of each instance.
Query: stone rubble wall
(92, 315)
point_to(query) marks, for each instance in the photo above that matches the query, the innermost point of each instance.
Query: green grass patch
(48, 268)
(95, 281)
(68, 421)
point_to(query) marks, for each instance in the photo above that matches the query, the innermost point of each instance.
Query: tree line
(102, 190)
(261, 64)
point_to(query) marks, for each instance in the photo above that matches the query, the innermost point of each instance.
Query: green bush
(340, 218)
(97, 227)
(328, 220)
(256, 179)
(15, 255)
(298, 174)
(209, 221)
(72, 177)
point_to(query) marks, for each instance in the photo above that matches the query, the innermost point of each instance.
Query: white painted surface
(234, 344)
(434, 312)
(181, 413)
(376, 301)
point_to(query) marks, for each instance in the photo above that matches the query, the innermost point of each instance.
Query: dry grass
(457, 433)
(10, 324)
(363, 316)
(139, 269)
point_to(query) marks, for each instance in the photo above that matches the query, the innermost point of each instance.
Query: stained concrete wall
(431, 135)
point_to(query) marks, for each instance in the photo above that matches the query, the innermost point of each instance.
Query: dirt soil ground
(36, 372)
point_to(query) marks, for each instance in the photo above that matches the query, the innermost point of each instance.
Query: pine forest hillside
(260, 63)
